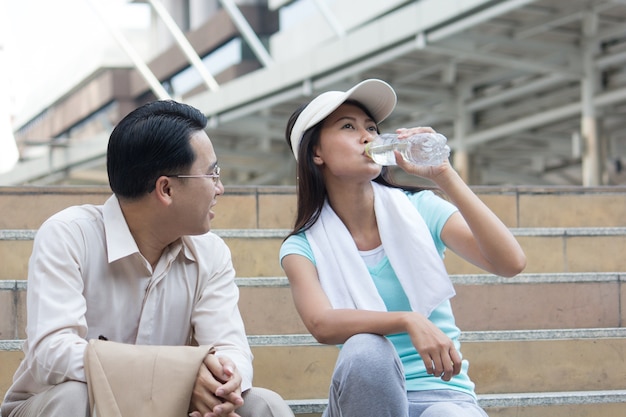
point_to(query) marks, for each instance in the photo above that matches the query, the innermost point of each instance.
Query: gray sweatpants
(368, 380)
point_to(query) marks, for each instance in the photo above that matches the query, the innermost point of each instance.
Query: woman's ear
(317, 158)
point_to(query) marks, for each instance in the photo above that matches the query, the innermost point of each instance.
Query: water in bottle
(419, 149)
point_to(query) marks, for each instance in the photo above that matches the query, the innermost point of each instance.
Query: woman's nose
(367, 136)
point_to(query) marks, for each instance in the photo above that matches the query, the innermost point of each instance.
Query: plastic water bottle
(419, 149)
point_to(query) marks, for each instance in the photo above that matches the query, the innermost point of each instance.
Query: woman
(364, 261)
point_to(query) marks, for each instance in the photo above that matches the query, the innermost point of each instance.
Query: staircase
(548, 342)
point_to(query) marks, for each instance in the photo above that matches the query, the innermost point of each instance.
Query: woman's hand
(436, 349)
(217, 391)
(429, 172)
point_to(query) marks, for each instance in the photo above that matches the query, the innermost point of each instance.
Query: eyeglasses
(215, 175)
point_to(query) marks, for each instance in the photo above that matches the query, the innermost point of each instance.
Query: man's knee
(68, 399)
(261, 402)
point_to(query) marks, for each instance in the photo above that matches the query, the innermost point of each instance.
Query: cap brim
(377, 96)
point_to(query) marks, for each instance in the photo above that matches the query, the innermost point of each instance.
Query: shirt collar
(187, 245)
(121, 243)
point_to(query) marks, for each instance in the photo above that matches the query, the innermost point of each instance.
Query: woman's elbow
(514, 266)
(324, 339)
(322, 333)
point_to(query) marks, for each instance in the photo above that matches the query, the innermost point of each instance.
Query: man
(140, 269)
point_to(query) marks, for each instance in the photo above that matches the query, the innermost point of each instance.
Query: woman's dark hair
(310, 187)
(151, 141)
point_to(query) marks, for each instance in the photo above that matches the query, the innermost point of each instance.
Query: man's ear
(163, 190)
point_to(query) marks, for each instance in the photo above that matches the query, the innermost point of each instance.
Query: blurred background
(527, 92)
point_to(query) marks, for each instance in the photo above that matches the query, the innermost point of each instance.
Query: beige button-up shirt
(87, 278)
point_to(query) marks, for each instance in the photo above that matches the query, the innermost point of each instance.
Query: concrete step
(241, 207)
(548, 342)
(273, 207)
(500, 361)
(512, 369)
(483, 302)
(255, 251)
(544, 404)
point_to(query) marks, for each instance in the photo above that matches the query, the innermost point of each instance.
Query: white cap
(376, 95)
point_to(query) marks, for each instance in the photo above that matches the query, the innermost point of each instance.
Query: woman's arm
(475, 233)
(335, 326)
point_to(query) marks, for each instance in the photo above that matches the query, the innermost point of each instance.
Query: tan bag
(127, 380)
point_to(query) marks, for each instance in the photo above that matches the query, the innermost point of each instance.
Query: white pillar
(461, 160)
(184, 45)
(200, 11)
(138, 62)
(591, 159)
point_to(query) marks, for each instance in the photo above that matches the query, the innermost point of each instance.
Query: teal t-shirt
(435, 211)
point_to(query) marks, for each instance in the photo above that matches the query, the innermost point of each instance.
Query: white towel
(407, 243)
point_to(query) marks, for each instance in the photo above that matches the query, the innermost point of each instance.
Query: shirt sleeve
(216, 318)
(296, 244)
(56, 307)
(435, 211)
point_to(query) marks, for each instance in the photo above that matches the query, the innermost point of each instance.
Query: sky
(42, 39)
(46, 46)
(46, 43)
